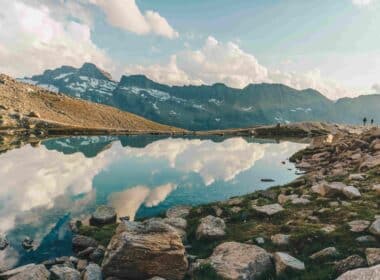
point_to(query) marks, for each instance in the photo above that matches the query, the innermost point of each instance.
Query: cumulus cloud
(33, 39)
(227, 63)
(125, 14)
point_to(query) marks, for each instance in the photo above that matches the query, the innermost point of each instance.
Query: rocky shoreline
(323, 225)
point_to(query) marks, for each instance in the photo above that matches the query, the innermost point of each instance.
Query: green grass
(101, 234)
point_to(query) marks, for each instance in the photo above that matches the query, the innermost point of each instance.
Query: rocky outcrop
(211, 227)
(140, 250)
(370, 273)
(81, 242)
(103, 215)
(232, 260)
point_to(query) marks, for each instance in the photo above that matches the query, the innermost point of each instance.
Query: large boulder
(370, 273)
(93, 272)
(233, 260)
(375, 228)
(285, 262)
(358, 225)
(103, 215)
(351, 192)
(140, 250)
(323, 254)
(211, 228)
(64, 273)
(32, 272)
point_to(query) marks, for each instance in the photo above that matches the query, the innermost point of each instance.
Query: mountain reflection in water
(44, 186)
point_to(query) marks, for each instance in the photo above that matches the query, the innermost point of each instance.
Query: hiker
(364, 121)
(371, 122)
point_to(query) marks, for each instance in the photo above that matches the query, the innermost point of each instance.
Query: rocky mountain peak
(92, 71)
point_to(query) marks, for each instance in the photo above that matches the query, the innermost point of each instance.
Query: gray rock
(357, 177)
(280, 239)
(324, 254)
(98, 254)
(82, 264)
(349, 263)
(178, 224)
(93, 272)
(300, 200)
(269, 209)
(32, 272)
(285, 262)
(180, 211)
(9, 273)
(359, 225)
(64, 273)
(141, 250)
(282, 199)
(370, 273)
(376, 188)
(211, 227)
(81, 242)
(3, 242)
(351, 192)
(233, 260)
(366, 239)
(86, 252)
(103, 215)
(260, 240)
(375, 228)
(372, 256)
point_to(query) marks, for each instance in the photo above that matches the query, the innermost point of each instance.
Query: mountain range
(207, 106)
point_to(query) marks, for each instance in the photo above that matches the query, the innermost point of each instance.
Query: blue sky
(333, 46)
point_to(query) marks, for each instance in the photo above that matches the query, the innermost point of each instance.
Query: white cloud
(228, 63)
(125, 14)
(35, 40)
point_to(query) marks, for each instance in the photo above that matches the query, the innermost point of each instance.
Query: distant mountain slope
(22, 103)
(212, 107)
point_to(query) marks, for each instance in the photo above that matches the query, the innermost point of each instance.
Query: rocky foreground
(324, 225)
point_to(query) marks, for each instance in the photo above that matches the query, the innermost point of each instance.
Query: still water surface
(42, 188)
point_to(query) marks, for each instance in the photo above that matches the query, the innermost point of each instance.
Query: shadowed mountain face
(207, 107)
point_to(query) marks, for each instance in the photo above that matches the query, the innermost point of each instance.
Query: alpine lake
(46, 185)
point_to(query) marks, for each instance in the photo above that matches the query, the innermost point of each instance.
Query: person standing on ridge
(364, 121)
(371, 122)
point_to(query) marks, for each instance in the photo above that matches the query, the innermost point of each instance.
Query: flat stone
(357, 177)
(324, 254)
(300, 200)
(234, 201)
(93, 272)
(349, 263)
(280, 239)
(103, 215)
(260, 240)
(370, 273)
(375, 228)
(233, 260)
(270, 209)
(64, 273)
(180, 211)
(366, 239)
(211, 227)
(372, 256)
(33, 272)
(328, 228)
(334, 188)
(285, 262)
(351, 192)
(359, 225)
